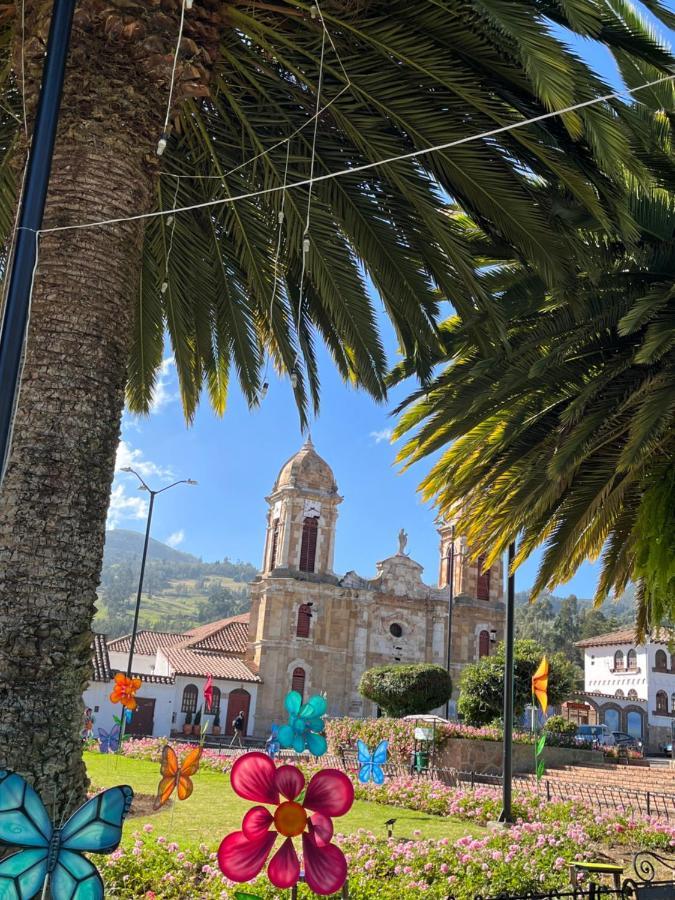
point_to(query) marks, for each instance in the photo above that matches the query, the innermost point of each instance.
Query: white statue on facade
(402, 542)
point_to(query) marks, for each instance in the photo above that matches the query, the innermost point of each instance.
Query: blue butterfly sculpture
(55, 854)
(305, 724)
(109, 741)
(371, 763)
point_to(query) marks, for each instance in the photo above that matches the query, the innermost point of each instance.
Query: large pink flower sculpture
(243, 854)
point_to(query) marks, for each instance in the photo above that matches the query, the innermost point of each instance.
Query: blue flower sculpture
(305, 724)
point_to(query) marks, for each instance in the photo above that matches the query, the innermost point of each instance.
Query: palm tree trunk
(54, 500)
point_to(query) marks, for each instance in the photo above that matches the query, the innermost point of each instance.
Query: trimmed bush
(405, 690)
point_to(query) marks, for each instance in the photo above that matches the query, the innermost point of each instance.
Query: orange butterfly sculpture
(175, 776)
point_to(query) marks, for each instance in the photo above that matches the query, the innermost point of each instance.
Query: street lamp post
(451, 585)
(507, 760)
(153, 494)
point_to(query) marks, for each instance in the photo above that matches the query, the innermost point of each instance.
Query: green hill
(180, 590)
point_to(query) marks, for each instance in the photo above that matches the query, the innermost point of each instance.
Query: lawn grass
(214, 809)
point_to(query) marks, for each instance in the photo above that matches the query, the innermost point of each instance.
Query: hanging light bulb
(165, 287)
(188, 4)
(294, 380)
(314, 12)
(161, 144)
(263, 390)
(169, 220)
(305, 245)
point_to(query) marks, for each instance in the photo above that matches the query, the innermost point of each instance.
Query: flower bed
(151, 749)
(531, 855)
(401, 734)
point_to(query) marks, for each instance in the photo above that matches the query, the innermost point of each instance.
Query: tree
(246, 79)
(567, 438)
(481, 698)
(406, 690)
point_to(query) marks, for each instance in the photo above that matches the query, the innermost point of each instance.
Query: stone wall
(486, 756)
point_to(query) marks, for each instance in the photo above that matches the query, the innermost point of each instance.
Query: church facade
(315, 631)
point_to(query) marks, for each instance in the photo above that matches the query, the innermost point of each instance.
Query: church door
(238, 700)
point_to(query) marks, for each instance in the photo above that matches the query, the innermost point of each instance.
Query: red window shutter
(483, 644)
(298, 681)
(482, 581)
(304, 619)
(310, 529)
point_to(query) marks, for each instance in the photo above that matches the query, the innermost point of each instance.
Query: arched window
(190, 693)
(631, 659)
(619, 694)
(661, 702)
(298, 681)
(618, 661)
(661, 661)
(310, 530)
(672, 701)
(482, 580)
(275, 541)
(215, 702)
(483, 644)
(304, 619)
(611, 717)
(634, 724)
(632, 694)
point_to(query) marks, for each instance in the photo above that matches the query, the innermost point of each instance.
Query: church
(310, 629)
(314, 630)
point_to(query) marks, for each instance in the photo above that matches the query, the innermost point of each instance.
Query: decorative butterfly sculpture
(273, 745)
(305, 724)
(371, 763)
(109, 741)
(54, 855)
(175, 776)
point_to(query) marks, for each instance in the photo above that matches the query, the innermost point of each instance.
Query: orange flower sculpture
(540, 684)
(124, 691)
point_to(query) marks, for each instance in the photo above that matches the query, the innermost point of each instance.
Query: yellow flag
(540, 684)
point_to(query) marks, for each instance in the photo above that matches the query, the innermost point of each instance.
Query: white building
(631, 687)
(174, 669)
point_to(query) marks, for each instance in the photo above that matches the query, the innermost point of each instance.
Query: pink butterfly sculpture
(243, 854)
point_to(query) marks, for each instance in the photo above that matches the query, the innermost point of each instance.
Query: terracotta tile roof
(226, 635)
(101, 660)
(185, 661)
(147, 642)
(623, 636)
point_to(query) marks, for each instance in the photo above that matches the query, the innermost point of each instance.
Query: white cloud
(176, 538)
(125, 506)
(380, 437)
(164, 392)
(131, 456)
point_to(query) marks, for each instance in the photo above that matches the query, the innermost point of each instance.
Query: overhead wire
(161, 144)
(365, 167)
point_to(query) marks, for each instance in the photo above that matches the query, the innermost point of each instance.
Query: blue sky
(236, 459)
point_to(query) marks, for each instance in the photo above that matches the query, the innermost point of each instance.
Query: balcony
(624, 671)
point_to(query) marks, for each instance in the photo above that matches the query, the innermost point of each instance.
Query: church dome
(306, 469)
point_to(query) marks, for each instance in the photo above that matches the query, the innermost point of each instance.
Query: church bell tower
(477, 610)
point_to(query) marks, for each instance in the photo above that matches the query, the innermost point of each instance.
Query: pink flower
(243, 854)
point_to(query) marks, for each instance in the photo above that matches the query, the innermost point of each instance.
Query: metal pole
(140, 584)
(507, 760)
(451, 585)
(15, 319)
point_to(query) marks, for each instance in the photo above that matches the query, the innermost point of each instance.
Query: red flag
(208, 694)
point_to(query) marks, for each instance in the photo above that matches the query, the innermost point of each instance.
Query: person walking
(238, 726)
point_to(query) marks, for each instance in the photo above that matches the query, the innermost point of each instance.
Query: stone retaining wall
(486, 756)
